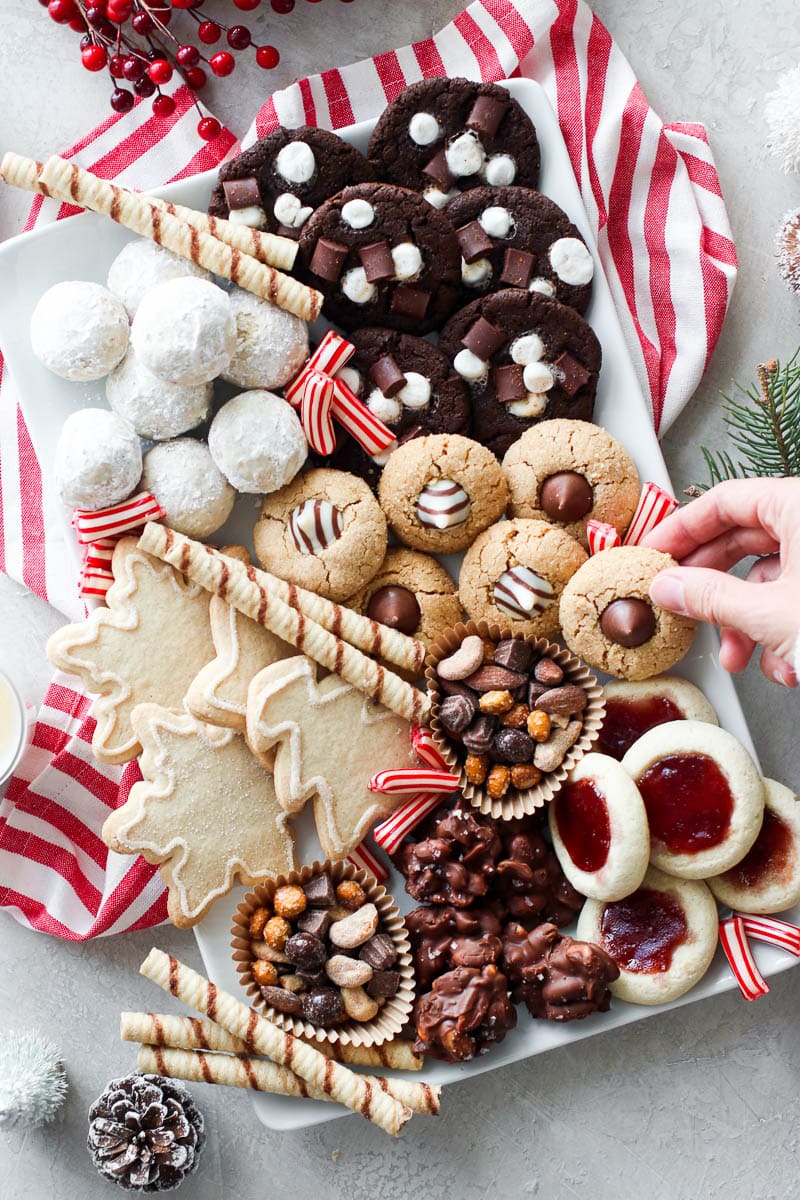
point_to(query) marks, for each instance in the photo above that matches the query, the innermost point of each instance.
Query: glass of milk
(12, 727)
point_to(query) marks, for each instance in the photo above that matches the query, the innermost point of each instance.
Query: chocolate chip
(410, 301)
(242, 193)
(323, 1006)
(438, 169)
(289, 231)
(387, 376)
(474, 241)
(514, 653)
(379, 952)
(328, 259)
(517, 267)
(629, 622)
(316, 921)
(305, 950)
(486, 114)
(535, 691)
(383, 984)
(484, 339)
(456, 712)
(548, 672)
(513, 746)
(570, 374)
(314, 978)
(282, 999)
(395, 607)
(509, 384)
(320, 892)
(566, 496)
(413, 431)
(377, 261)
(477, 737)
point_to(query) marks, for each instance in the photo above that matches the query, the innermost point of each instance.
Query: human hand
(732, 521)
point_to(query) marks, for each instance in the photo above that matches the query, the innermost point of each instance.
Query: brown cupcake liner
(516, 803)
(393, 1014)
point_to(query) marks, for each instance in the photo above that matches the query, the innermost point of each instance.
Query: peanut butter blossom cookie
(411, 592)
(608, 619)
(277, 183)
(439, 492)
(515, 572)
(568, 471)
(382, 256)
(443, 136)
(324, 531)
(526, 359)
(516, 237)
(409, 385)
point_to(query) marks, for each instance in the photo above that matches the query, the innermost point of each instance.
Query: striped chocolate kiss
(315, 525)
(443, 503)
(520, 592)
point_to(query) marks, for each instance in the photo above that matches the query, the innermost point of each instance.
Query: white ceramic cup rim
(13, 763)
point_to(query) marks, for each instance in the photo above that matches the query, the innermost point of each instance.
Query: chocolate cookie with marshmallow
(277, 183)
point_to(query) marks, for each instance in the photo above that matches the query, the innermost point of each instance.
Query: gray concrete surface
(694, 1105)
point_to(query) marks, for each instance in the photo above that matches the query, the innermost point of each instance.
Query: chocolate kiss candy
(566, 496)
(630, 622)
(396, 607)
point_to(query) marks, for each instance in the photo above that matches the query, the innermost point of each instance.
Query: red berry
(133, 68)
(160, 71)
(163, 106)
(185, 3)
(95, 15)
(208, 32)
(86, 40)
(187, 56)
(142, 22)
(222, 63)
(94, 58)
(282, 6)
(247, 5)
(115, 65)
(267, 57)
(118, 11)
(195, 77)
(121, 100)
(239, 37)
(161, 13)
(62, 11)
(208, 128)
(144, 86)
(78, 24)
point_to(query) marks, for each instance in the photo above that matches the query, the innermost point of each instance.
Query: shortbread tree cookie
(145, 647)
(218, 694)
(328, 739)
(205, 811)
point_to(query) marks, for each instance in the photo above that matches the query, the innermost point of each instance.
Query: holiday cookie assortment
(449, 718)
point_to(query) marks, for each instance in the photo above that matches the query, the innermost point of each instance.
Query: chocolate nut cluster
(509, 712)
(555, 976)
(319, 953)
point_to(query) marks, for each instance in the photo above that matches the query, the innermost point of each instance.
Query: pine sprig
(764, 427)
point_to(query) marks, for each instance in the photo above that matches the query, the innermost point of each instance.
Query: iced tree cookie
(325, 531)
(568, 471)
(633, 707)
(609, 620)
(515, 572)
(411, 592)
(439, 492)
(767, 879)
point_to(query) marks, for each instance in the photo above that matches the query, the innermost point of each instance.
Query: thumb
(712, 596)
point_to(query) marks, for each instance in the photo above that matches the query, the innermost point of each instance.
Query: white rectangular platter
(82, 248)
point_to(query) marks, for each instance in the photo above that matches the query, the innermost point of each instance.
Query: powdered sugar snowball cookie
(189, 486)
(662, 937)
(184, 331)
(79, 330)
(634, 706)
(599, 829)
(271, 344)
(767, 880)
(257, 441)
(98, 459)
(703, 795)
(156, 409)
(142, 265)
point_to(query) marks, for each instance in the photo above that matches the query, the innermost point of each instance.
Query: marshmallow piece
(500, 170)
(79, 330)
(417, 391)
(257, 441)
(385, 408)
(543, 286)
(98, 459)
(571, 261)
(351, 378)
(437, 197)
(358, 213)
(532, 406)
(443, 503)
(295, 161)
(475, 273)
(357, 287)
(526, 349)
(537, 377)
(156, 409)
(469, 366)
(407, 260)
(252, 215)
(142, 265)
(289, 210)
(465, 155)
(423, 129)
(496, 221)
(189, 486)
(271, 344)
(184, 331)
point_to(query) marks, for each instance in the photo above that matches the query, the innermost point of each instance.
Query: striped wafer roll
(241, 586)
(360, 1093)
(268, 248)
(397, 1055)
(23, 173)
(70, 183)
(242, 1071)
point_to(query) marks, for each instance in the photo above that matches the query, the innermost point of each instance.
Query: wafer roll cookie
(396, 1055)
(240, 587)
(360, 1093)
(23, 173)
(68, 182)
(268, 248)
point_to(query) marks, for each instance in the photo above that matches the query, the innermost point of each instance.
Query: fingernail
(668, 591)
(786, 676)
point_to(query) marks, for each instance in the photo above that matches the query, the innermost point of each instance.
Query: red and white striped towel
(652, 193)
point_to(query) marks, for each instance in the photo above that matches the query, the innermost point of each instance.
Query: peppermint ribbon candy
(390, 833)
(654, 505)
(733, 936)
(411, 779)
(364, 859)
(112, 522)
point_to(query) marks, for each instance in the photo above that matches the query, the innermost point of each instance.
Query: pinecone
(145, 1133)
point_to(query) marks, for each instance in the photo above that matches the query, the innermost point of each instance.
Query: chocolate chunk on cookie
(444, 136)
(279, 181)
(526, 358)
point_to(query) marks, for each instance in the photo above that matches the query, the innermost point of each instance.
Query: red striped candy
(740, 958)
(116, 520)
(654, 505)
(412, 780)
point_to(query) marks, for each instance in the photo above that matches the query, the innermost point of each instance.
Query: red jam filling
(582, 820)
(769, 858)
(688, 801)
(643, 931)
(626, 720)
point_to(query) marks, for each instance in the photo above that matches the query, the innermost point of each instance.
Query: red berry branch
(133, 40)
